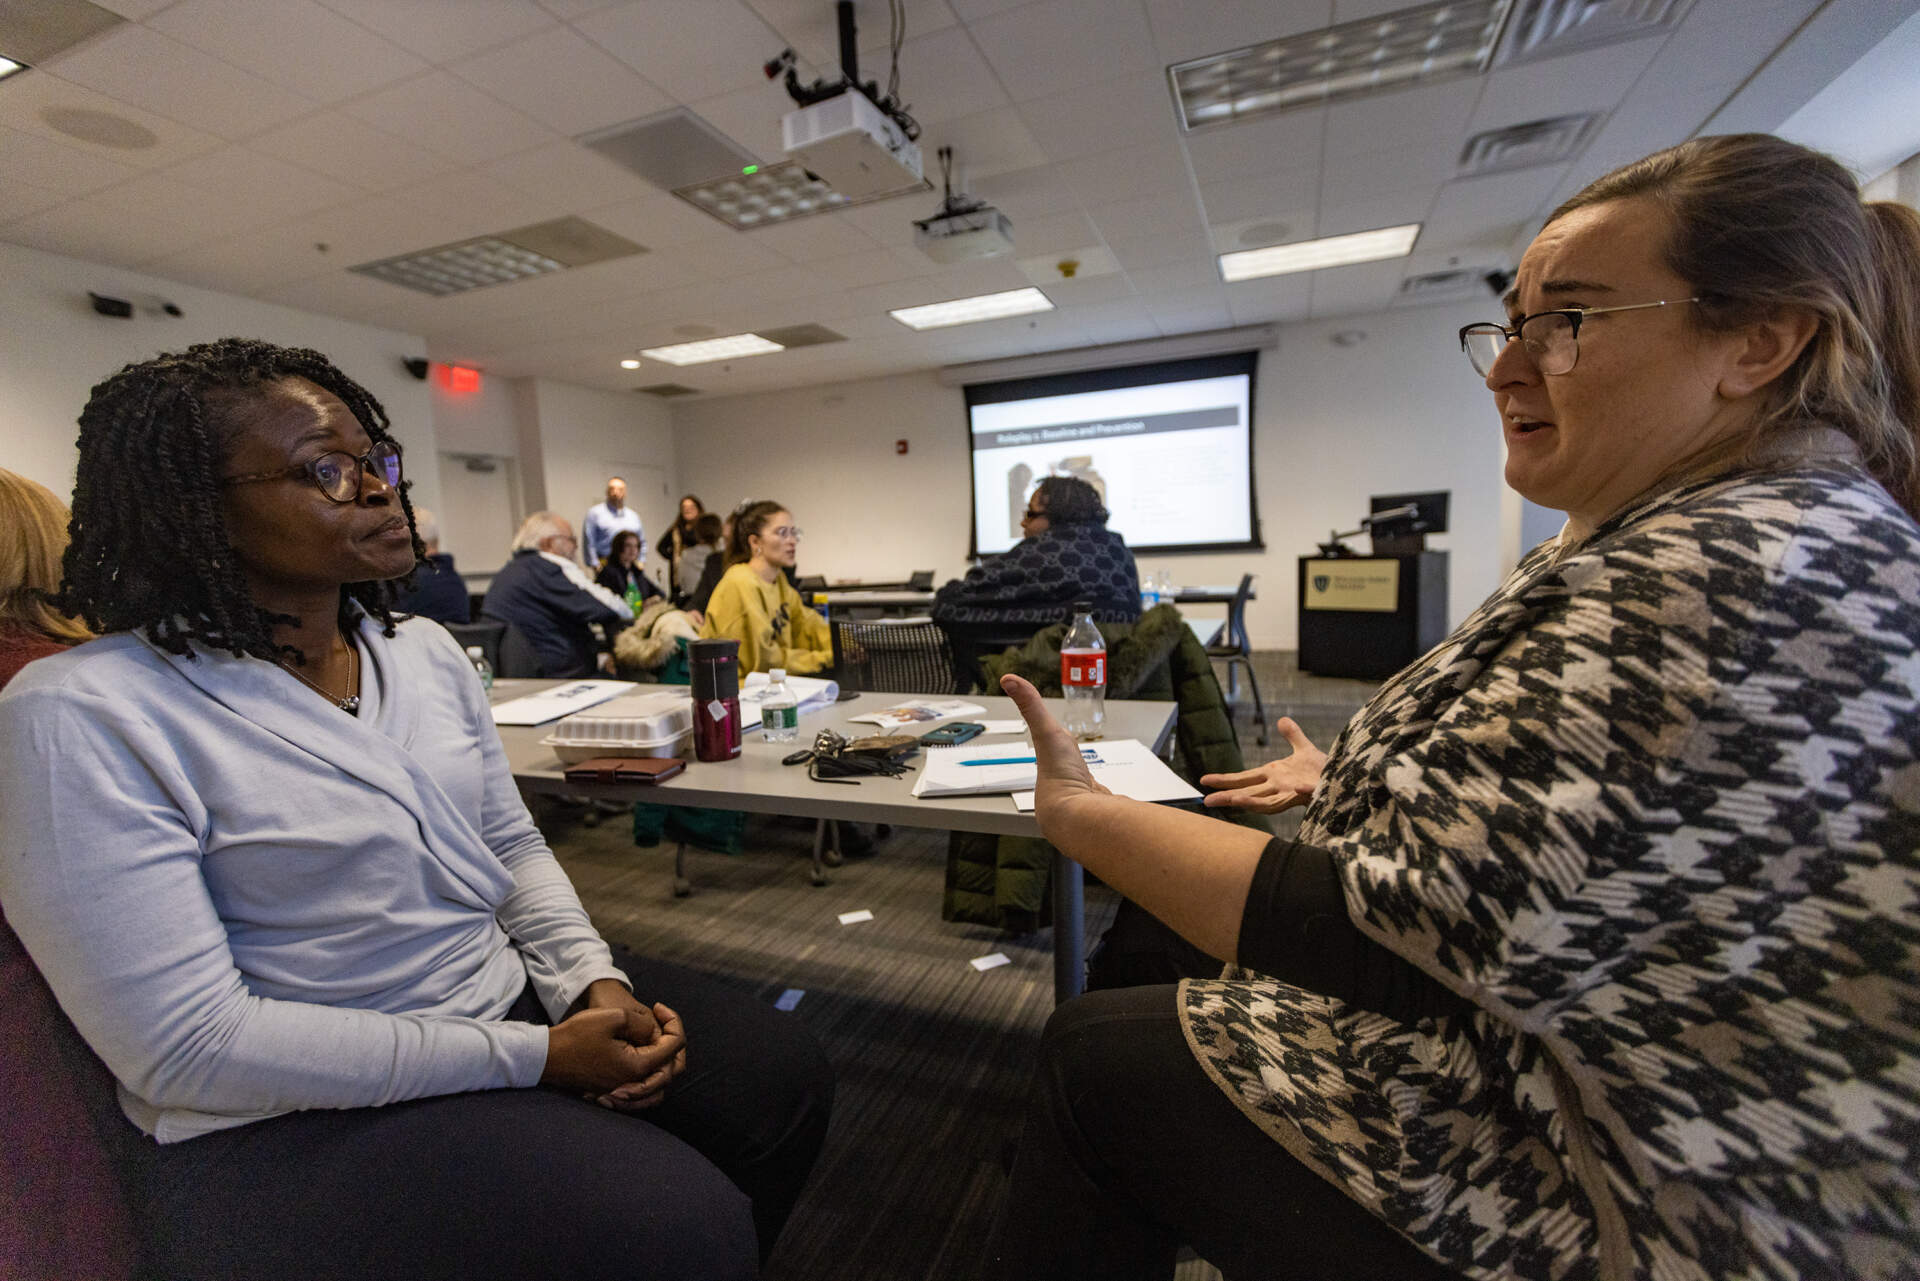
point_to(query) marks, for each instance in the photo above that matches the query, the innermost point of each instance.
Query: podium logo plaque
(1353, 584)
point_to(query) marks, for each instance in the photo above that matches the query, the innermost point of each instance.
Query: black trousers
(1131, 1151)
(533, 1184)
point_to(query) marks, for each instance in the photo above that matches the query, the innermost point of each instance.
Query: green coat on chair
(1003, 880)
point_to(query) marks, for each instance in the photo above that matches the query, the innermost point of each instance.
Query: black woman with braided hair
(263, 842)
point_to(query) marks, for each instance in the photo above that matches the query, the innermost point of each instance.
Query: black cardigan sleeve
(1296, 929)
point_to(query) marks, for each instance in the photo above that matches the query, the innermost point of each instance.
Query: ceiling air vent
(502, 258)
(1435, 284)
(1537, 142)
(1548, 28)
(664, 390)
(801, 336)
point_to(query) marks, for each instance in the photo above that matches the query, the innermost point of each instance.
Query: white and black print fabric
(1038, 579)
(1654, 810)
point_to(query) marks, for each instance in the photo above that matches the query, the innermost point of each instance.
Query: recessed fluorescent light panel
(1312, 255)
(8, 66)
(1393, 51)
(762, 194)
(696, 353)
(965, 311)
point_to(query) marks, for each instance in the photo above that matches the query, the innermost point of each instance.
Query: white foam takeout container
(652, 724)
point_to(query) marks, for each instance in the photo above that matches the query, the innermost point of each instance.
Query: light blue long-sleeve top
(250, 903)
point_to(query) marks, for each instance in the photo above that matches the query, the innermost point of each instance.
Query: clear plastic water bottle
(478, 657)
(779, 710)
(1083, 674)
(1149, 593)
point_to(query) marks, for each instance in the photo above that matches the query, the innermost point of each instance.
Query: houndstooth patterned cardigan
(1654, 810)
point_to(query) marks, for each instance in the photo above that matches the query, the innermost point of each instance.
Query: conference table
(757, 783)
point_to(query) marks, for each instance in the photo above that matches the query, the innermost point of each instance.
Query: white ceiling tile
(441, 33)
(1149, 216)
(875, 267)
(569, 174)
(18, 199)
(368, 230)
(1473, 210)
(351, 295)
(1184, 30)
(564, 81)
(968, 10)
(136, 221)
(750, 117)
(1158, 169)
(449, 116)
(690, 48)
(568, 10)
(891, 221)
(65, 170)
(145, 69)
(1053, 235)
(984, 144)
(1289, 140)
(811, 29)
(943, 76)
(352, 151)
(133, 10)
(243, 264)
(1155, 250)
(1362, 287)
(31, 98)
(1197, 308)
(1026, 193)
(264, 189)
(1356, 10)
(1175, 279)
(1593, 80)
(1275, 299)
(1082, 262)
(469, 203)
(1430, 115)
(1120, 320)
(1081, 291)
(1273, 195)
(809, 240)
(1062, 44)
(1365, 175)
(1393, 210)
(334, 58)
(1114, 114)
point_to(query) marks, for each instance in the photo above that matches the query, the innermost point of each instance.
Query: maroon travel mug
(715, 669)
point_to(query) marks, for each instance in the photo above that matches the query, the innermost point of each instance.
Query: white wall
(1332, 425)
(56, 348)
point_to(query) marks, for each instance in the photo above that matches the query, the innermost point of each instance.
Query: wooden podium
(1369, 616)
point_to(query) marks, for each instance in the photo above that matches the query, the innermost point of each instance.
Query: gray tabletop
(758, 783)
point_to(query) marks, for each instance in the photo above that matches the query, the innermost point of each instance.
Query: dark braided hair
(1071, 501)
(149, 549)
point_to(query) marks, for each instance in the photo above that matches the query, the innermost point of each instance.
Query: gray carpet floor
(933, 1056)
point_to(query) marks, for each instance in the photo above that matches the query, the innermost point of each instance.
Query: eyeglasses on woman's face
(1551, 339)
(337, 474)
(784, 531)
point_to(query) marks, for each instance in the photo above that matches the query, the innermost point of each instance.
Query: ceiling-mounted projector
(854, 146)
(981, 232)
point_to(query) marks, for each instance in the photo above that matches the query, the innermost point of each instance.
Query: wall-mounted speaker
(416, 365)
(106, 306)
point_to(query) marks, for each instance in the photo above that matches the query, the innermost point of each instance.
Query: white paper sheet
(561, 700)
(810, 690)
(1123, 765)
(918, 711)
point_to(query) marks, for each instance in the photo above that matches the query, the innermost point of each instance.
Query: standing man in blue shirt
(604, 520)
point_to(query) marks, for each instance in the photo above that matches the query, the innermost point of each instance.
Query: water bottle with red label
(1083, 674)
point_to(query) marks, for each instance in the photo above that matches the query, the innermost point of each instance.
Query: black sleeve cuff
(1296, 929)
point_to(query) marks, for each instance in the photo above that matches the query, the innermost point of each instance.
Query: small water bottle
(633, 598)
(1083, 674)
(1149, 593)
(779, 710)
(478, 657)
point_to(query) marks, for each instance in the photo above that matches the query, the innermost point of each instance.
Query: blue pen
(1087, 753)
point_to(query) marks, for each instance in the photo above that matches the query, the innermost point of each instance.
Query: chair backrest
(972, 642)
(906, 656)
(486, 633)
(1237, 614)
(920, 580)
(518, 657)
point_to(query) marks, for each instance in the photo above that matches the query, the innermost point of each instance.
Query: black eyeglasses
(1551, 338)
(1031, 514)
(337, 474)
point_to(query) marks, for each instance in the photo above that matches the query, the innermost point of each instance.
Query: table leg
(1069, 930)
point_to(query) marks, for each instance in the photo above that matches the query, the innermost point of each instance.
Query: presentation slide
(1171, 458)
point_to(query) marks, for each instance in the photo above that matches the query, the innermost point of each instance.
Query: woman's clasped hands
(617, 1051)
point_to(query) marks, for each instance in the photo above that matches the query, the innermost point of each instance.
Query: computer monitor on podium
(1400, 523)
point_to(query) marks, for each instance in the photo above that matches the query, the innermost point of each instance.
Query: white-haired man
(544, 592)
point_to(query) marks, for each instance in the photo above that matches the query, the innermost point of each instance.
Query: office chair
(1231, 645)
(518, 657)
(897, 656)
(487, 633)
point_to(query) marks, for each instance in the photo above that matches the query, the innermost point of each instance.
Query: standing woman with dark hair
(679, 537)
(756, 605)
(1596, 954)
(263, 842)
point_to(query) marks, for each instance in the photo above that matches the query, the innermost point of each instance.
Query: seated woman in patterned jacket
(1596, 954)
(1068, 555)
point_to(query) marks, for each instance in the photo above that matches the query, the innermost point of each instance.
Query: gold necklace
(351, 703)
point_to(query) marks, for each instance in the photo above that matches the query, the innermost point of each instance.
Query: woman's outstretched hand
(1275, 786)
(1062, 779)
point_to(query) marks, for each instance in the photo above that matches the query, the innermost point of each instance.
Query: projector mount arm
(821, 90)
